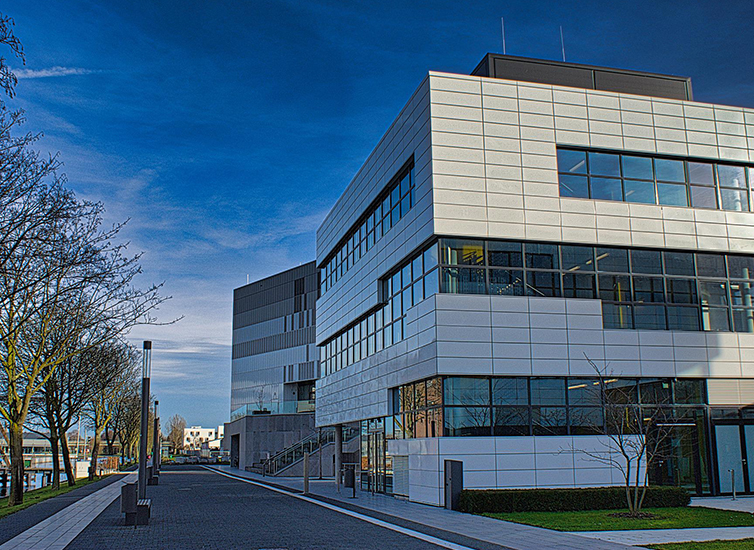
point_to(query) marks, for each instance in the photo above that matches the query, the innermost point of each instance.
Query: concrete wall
(266, 434)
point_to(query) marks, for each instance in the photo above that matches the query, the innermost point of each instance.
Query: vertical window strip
(397, 199)
(414, 280)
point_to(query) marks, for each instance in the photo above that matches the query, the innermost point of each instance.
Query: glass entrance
(376, 467)
(681, 458)
(730, 459)
(377, 461)
(734, 442)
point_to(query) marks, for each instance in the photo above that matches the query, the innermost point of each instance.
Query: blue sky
(225, 130)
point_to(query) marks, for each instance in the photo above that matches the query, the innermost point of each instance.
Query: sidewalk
(412, 515)
(58, 530)
(18, 522)
(641, 537)
(741, 504)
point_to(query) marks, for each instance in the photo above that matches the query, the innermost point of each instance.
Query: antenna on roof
(502, 25)
(247, 278)
(562, 42)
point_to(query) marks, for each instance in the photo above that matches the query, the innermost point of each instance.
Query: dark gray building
(274, 364)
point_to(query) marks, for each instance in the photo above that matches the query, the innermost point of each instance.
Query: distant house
(195, 436)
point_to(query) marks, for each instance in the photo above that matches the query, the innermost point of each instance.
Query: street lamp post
(145, 374)
(156, 444)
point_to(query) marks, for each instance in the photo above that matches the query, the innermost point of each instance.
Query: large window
(511, 406)
(414, 280)
(418, 409)
(394, 203)
(639, 289)
(653, 180)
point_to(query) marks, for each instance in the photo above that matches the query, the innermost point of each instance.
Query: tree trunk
(69, 474)
(15, 434)
(95, 452)
(54, 442)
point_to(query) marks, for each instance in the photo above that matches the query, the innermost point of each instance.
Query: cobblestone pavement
(467, 529)
(194, 508)
(18, 522)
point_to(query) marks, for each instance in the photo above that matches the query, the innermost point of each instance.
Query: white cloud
(53, 72)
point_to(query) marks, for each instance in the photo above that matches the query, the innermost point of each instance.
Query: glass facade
(408, 285)
(520, 406)
(394, 203)
(669, 181)
(697, 445)
(639, 288)
(376, 464)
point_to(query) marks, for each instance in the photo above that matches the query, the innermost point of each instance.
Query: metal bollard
(306, 473)
(733, 482)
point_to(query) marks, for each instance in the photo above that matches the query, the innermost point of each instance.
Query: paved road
(194, 508)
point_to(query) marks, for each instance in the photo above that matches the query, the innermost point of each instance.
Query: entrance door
(376, 449)
(735, 457)
(729, 458)
(749, 458)
(682, 453)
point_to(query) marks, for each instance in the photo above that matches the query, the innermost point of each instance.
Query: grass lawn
(38, 495)
(600, 520)
(712, 545)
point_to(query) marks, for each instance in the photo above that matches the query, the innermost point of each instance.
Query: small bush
(566, 500)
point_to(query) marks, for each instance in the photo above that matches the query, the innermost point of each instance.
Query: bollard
(733, 482)
(306, 473)
(349, 478)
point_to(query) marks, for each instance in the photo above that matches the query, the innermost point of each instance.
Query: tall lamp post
(156, 451)
(145, 374)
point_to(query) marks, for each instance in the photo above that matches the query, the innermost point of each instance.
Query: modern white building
(194, 436)
(514, 223)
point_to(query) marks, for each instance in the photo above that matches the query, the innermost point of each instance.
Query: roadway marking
(362, 517)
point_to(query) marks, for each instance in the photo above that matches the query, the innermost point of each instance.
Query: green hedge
(566, 500)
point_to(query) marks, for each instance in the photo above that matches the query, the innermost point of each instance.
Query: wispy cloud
(51, 72)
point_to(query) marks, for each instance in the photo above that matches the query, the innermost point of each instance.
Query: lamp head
(146, 369)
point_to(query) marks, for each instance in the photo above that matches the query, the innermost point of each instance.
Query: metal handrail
(311, 443)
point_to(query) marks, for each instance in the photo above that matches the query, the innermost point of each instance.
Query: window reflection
(398, 200)
(653, 180)
(639, 289)
(519, 406)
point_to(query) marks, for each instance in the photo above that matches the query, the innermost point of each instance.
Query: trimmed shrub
(566, 500)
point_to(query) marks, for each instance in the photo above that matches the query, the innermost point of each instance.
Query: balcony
(286, 407)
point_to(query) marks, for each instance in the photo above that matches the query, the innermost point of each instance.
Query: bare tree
(635, 435)
(72, 270)
(174, 428)
(8, 80)
(128, 425)
(112, 382)
(62, 400)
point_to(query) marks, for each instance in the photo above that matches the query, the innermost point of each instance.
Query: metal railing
(285, 407)
(310, 444)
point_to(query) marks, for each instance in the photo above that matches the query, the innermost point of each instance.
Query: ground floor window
(458, 406)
